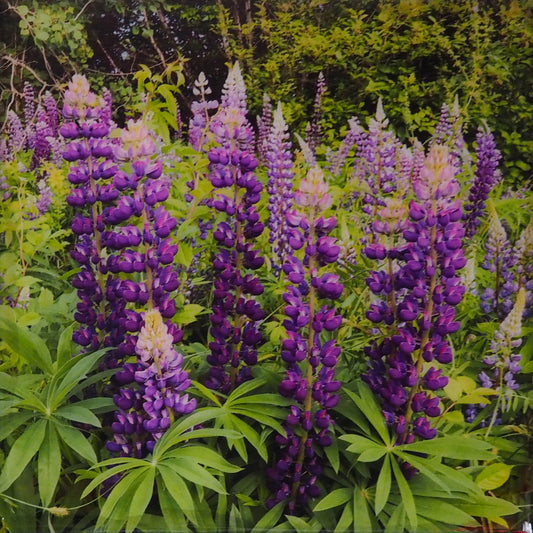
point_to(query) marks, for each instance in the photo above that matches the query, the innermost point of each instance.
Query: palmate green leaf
(359, 444)
(266, 400)
(227, 421)
(66, 347)
(235, 523)
(335, 498)
(262, 418)
(463, 448)
(80, 414)
(371, 455)
(332, 453)
(383, 485)
(26, 344)
(245, 388)
(406, 494)
(250, 435)
(22, 452)
(426, 468)
(22, 386)
(75, 440)
(396, 521)
(488, 507)
(172, 483)
(141, 498)
(48, 465)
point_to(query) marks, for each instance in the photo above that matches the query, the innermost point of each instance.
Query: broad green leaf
(406, 494)
(441, 511)
(173, 515)
(346, 519)
(426, 468)
(22, 452)
(396, 521)
(367, 404)
(245, 388)
(26, 344)
(361, 511)
(141, 498)
(188, 314)
(251, 436)
(299, 524)
(335, 498)
(192, 471)
(236, 524)
(265, 399)
(359, 444)
(269, 519)
(493, 476)
(489, 507)
(117, 504)
(11, 422)
(66, 348)
(48, 465)
(383, 485)
(207, 457)
(464, 448)
(371, 455)
(78, 414)
(173, 484)
(75, 440)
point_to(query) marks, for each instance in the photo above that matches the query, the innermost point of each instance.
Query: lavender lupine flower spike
(311, 360)
(418, 292)
(314, 129)
(487, 176)
(353, 137)
(503, 363)
(236, 314)
(199, 122)
(92, 168)
(523, 252)
(500, 261)
(280, 175)
(264, 123)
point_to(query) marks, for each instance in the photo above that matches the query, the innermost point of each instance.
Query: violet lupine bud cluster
(280, 176)
(523, 252)
(376, 166)
(199, 122)
(487, 177)
(236, 314)
(504, 364)
(353, 137)
(264, 124)
(153, 398)
(5, 193)
(313, 132)
(16, 135)
(92, 169)
(311, 359)
(418, 289)
(500, 261)
(29, 114)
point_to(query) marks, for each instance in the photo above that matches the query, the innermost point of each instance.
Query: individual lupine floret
(236, 315)
(418, 287)
(500, 261)
(154, 398)
(310, 379)
(487, 177)
(280, 175)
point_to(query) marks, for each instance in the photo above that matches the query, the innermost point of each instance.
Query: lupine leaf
(407, 496)
(48, 465)
(346, 519)
(191, 470)
(235, 524)
(269, 519)
(78, 414)
(174, 485)
(173, 515)
(22, 452)
(141, 498)
(207, 457)
(11, 422)
(383, 485)
(66, 347)
(361, 511)
(335, 498)
(493, 476)
(464, 448)
(26, 344)
(75, 440)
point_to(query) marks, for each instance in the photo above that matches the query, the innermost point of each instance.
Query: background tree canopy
(415, 54)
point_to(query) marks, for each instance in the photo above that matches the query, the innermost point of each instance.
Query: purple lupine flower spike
(487, 177)
(417, 290)
(310, 379)
(280, 173)
(353, 137)
(264, 124)
(236, 315)
(199, 122)
(314, 129)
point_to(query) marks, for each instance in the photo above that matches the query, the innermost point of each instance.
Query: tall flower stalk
(310, 349)
(236, 314)
(418, 288)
